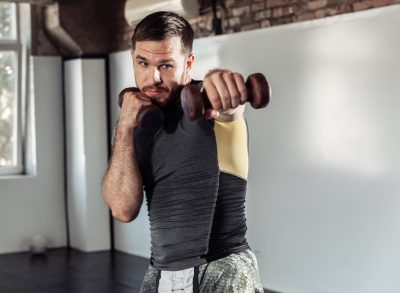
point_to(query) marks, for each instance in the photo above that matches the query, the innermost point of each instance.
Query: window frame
(21, 68)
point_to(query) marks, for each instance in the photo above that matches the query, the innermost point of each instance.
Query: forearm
(122, 184)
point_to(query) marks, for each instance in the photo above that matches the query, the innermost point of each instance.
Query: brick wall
(244, 15)
(99, 26)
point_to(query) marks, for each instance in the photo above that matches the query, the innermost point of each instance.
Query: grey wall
(323, 198)
(35, 203)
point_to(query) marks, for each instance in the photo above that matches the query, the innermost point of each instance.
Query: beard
(160, 94)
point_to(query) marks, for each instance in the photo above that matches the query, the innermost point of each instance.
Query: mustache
(154, 88)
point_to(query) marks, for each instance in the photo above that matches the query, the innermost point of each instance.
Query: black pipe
(217, 24)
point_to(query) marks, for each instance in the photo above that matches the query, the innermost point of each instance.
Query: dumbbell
(149, 117)
(195, 102)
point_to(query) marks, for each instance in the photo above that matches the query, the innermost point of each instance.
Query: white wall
(86, 135)
(324, 185)
(323, 202)
(35, 203)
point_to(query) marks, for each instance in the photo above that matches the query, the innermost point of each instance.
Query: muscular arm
(122, 183)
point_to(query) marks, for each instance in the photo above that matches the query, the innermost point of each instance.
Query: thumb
(211, 114)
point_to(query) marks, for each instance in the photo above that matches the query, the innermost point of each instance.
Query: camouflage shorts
(236, 273)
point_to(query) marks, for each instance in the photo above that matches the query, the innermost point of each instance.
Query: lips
(154, 91)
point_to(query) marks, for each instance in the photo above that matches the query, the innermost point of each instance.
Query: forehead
(171, 47)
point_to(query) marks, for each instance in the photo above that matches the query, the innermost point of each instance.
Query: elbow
(125, 211)
(125, 216)
(125, 208)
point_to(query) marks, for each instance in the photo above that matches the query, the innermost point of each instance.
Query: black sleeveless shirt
(196, 210)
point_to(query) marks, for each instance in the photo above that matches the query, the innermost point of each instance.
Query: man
(194, 173)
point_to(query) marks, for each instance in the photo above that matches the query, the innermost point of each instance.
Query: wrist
(123, 130)
(231, 114)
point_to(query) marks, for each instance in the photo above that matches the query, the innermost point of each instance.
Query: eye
(142, 63)
(166, 66)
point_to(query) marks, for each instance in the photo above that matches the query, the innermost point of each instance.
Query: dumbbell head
(259, 91)
(150, 118)
(192, 102)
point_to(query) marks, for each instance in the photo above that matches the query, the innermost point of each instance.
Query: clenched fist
(131, 101)
(226, 91)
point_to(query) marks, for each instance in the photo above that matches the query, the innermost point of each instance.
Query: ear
(189, 62)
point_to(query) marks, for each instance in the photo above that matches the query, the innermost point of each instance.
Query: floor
(71, 271)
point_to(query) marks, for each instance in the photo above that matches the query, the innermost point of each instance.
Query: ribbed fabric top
(229, 224)
(181, 177)
(179, 167)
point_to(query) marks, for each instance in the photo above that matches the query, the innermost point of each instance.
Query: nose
(156, 75)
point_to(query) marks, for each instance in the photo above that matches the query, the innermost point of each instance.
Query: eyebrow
(160, 61)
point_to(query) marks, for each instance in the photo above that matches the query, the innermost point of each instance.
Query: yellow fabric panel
(232, 147)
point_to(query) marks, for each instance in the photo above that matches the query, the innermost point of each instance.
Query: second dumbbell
(195, 102)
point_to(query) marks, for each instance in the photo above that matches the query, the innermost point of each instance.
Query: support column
(86, 138)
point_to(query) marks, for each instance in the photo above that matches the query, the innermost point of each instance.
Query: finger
(132, 96)
(211, 114)
(144, 98)
(241, 86)
(212, 94)
(223, 91)
(232, 88)
(125, 92)
(135, 101)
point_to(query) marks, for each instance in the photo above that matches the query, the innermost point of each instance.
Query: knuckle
(128, 96)
(226, 75)
(225, 98)
(225, 94)
(243, 90)
(242, 86)
(238, 75)
(208, 85)
(235, 102)
(206, 82)
(236, 96)
(218, 75)
(226, 103)
(216, 103)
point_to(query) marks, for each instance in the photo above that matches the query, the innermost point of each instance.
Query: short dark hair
(162, 25)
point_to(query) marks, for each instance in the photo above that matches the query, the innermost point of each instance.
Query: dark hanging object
(217, 23)
(36, 2)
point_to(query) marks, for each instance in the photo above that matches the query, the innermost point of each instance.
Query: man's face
(160, 67)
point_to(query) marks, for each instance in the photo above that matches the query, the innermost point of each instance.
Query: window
(10, 90)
